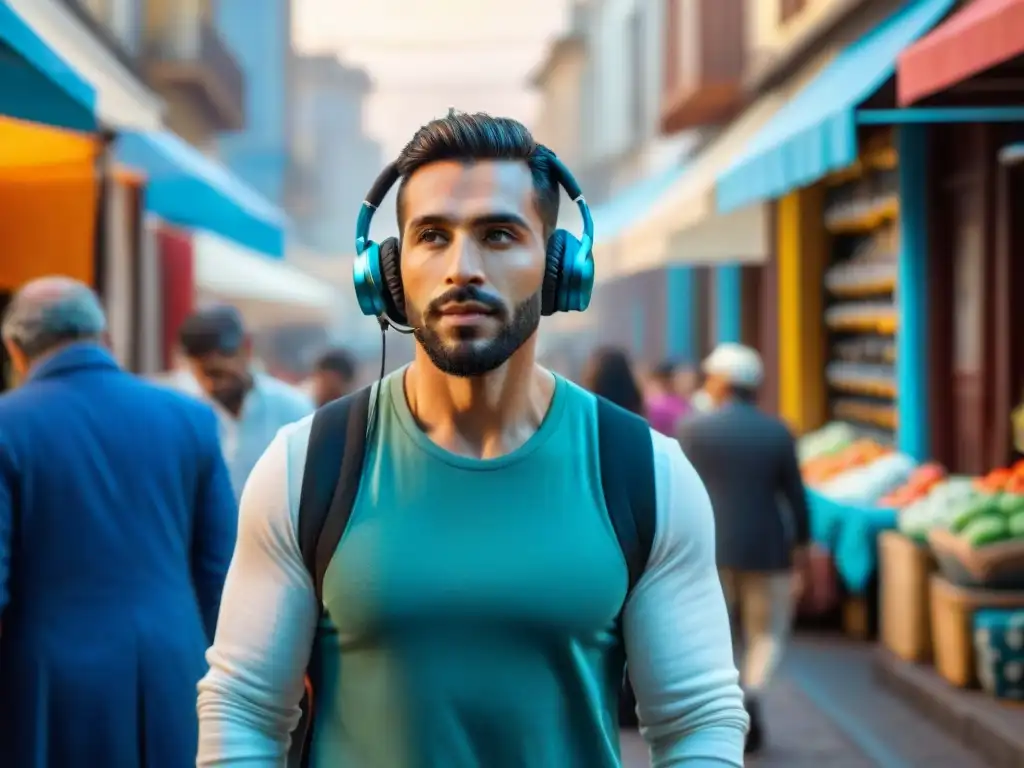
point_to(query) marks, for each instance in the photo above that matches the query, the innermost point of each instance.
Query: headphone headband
(390, 176)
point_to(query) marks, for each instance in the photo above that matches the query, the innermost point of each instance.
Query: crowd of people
(455, 566)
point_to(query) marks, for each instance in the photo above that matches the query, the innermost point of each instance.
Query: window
(789, 9)
(637, 84)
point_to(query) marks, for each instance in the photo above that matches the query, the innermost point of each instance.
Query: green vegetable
(1015, 524)
(1011, 503)
(986, 529)
(971, 510)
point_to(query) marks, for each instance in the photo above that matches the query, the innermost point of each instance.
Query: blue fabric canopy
(36, 84)
(616, 215)
(189, 189)
(815, 133)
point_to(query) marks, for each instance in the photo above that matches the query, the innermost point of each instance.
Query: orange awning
(48, 199)
(982, 35)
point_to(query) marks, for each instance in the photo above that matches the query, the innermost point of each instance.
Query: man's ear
(19, 362)
(107, 341)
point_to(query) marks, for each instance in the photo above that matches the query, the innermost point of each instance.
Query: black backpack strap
(334, 466)
(627, 476)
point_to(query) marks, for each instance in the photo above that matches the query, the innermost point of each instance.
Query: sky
(426, 56)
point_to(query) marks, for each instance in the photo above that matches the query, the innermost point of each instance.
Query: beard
(468, 354)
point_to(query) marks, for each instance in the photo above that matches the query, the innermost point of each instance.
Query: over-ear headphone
(377, 274)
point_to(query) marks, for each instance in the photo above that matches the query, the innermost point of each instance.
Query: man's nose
(465, 264)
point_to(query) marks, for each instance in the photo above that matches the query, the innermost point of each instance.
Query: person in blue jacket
(117, 524)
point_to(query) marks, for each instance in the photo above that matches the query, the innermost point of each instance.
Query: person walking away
(252, 404)
(665, 406)
(464, 598)
(333, 375)
(747, 460)
(609, 374)
(117, 524)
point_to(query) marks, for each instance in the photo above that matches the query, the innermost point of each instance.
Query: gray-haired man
(117, 523)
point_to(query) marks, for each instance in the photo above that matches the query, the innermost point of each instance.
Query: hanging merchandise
(862, 217)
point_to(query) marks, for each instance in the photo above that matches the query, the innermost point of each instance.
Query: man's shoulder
(277, 389)
(186, 404)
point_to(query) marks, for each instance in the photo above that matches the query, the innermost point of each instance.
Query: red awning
(980, 36)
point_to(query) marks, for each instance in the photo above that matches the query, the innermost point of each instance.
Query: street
(826, 708)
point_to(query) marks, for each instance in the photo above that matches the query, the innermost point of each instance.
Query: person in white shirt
(253, 406)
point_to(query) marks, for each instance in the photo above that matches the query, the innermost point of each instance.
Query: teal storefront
(36, 84)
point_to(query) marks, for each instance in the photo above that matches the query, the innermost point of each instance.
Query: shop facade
(841, 169)
(963, 76)
(48, 152)
(217, 240)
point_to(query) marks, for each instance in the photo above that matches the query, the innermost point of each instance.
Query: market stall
(948, 551)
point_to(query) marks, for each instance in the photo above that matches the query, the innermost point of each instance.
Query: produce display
(866, 485)
(830, 439)
(981, 511)
(918, 485)
(821, 469)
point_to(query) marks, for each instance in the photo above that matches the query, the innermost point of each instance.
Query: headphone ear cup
(559, 274)
(391, 272)
(553, 272)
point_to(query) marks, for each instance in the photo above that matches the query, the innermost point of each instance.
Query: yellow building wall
(802, 250)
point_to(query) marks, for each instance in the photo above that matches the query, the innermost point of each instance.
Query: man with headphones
(452, 568)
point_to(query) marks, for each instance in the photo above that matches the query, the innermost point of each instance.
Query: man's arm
(249, 700)
(215, 523)
(676, 628)
(792, 487)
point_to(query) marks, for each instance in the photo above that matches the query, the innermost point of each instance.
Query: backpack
(334, 466)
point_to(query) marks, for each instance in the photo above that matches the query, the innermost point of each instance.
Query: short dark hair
(475, 137)
(337, 360)
(664, 371)
(214, 329)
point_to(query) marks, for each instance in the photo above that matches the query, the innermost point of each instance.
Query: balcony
(186, 60)
(705, 54)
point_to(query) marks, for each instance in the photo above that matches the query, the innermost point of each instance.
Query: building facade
(187, 61)
(259, 32)
(333, 160)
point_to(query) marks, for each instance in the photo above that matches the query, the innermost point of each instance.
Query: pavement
(826, 708)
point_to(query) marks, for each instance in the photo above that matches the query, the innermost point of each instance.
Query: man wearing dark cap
(117, 524)
(255, 405)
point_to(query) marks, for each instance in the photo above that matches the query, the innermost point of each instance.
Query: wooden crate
(952, 610)
(905, 567)
(857, 617)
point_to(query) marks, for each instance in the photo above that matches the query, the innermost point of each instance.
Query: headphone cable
(371, 427)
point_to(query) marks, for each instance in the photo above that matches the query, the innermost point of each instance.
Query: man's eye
(431, 236)
(500, 236)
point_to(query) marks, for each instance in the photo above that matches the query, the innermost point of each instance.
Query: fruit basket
(999, 565)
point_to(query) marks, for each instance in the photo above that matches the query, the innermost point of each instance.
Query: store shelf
(867, 379)
(880, 160)
(862, 212)
(862, 318)
(865, 218)
(874, 414)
